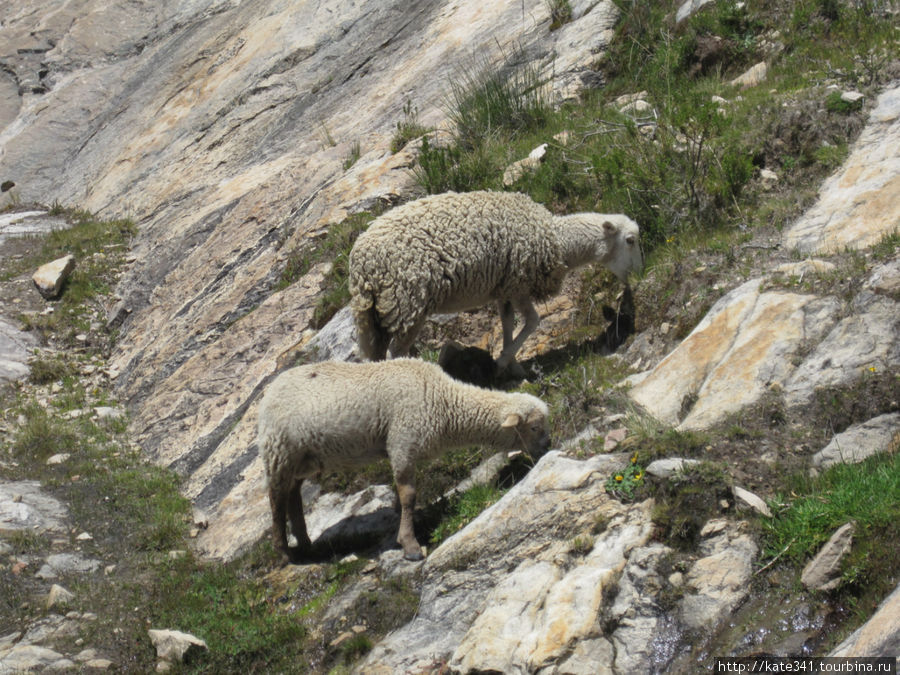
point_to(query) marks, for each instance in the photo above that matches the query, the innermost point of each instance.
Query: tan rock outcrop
(858, 205)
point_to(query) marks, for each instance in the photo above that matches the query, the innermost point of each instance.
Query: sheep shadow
(368, 534)
(476, 366)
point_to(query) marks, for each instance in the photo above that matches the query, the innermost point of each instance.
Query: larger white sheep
(457, 251)
(335, 416)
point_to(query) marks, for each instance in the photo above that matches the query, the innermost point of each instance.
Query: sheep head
(620, 248)
(613, 240)
(527, 418)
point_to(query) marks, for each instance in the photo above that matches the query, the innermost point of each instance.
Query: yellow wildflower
(619, 478)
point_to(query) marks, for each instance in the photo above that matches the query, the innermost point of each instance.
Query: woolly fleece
(335, 416)
(452, 252)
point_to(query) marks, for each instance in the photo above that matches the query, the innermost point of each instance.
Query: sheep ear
(512, 420)
(609, 227)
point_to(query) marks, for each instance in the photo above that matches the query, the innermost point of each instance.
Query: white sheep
(335, 416)
(453, 252)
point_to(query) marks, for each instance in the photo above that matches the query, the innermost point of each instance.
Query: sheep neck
(473, 417)
(579, 240)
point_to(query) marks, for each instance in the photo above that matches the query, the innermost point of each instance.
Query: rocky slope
(221, 128)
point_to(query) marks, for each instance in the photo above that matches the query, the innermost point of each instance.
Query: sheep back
(334, 416)
(451, 252)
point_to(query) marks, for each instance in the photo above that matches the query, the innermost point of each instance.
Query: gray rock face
(822, 573)
(24, 223)
(879, 636)
(881, 434)
(719, 579)
(746, 343)
(461, 580)
(524, 588)
(857, 205)
(15, 349)
(23, 506)
(222, 128)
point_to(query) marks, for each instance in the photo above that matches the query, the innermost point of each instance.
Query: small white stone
(852, 96)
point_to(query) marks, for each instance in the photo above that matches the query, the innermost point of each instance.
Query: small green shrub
(408, 129)
(233, 613)
(443, 168)
(43, 435)
(353, 157)
(485, 101)
(560, 13)
(834, 103)
(47, 370)
(627, 483)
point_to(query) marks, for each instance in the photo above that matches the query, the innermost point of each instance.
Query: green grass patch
(688, 165)
(809, 513)
(99, 247)
(236, 615)
(464, 509)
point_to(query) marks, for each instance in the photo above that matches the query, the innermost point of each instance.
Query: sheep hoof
(512, 370)
(297, 555)
(414, 556)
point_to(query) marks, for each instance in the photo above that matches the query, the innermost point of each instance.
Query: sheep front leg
(406, 537)
(507, 318)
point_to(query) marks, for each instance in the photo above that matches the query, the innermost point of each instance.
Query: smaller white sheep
(335, 416)
(453, 252)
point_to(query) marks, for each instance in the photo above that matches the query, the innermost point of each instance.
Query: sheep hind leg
(278, 500)
(406, 537)
(402, 342)
(507, 318)
(298, 524)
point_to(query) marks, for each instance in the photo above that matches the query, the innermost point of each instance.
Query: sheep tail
(372, 337)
